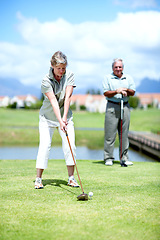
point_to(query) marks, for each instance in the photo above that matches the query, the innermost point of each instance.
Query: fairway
(125, 204)
(20, 127)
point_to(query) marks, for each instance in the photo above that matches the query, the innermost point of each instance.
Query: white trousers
(46, 130)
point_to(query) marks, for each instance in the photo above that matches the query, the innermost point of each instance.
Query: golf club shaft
(121, 141)
(121, 126)
(122, 108)
(74, 160)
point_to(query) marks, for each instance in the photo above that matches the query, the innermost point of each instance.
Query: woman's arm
(52, 98)
(68, 94)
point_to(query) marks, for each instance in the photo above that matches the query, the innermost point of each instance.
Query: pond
(83, 153)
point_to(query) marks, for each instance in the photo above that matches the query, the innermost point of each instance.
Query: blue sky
(91, 33)
(70, 10)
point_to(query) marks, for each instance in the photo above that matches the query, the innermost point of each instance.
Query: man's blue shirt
(112, 82)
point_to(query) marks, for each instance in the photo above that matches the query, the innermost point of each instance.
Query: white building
(23, 100)
(4, 101)
(93, 103)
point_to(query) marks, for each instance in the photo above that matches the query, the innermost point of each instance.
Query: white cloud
(89, 46)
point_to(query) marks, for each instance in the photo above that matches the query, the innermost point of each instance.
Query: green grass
(88, 120)
(20, 127)
(145, 120)
(125, 204)
(18, 117)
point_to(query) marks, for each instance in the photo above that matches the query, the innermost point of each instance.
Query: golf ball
(90, 194)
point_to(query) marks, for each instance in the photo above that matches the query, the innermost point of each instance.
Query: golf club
(122, 112)
(83, 196)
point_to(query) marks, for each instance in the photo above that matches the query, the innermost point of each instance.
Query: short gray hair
(117, 60)
(58, 58)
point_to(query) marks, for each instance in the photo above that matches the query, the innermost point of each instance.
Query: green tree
(13, 105)
(92, 91)
(134, 102)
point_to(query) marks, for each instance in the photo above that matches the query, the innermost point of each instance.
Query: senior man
(116, 86)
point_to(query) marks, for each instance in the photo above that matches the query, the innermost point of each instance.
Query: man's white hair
(117, 60)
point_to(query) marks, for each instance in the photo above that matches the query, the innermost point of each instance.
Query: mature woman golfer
(57, 87)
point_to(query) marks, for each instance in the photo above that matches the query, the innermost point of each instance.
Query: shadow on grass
(57, 183)
(98, 162)
(54, 182)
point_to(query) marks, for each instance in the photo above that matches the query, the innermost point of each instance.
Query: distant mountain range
(11, 87)
(149, 86)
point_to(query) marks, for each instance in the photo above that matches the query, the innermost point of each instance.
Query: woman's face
(59, 70)
(118, 69)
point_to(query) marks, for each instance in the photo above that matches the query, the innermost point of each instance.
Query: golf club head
(123, 164)
(83, 197)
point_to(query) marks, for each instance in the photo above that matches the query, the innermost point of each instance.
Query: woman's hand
(52, 98)
(65, 122)
(64, 119)
(63, 126)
